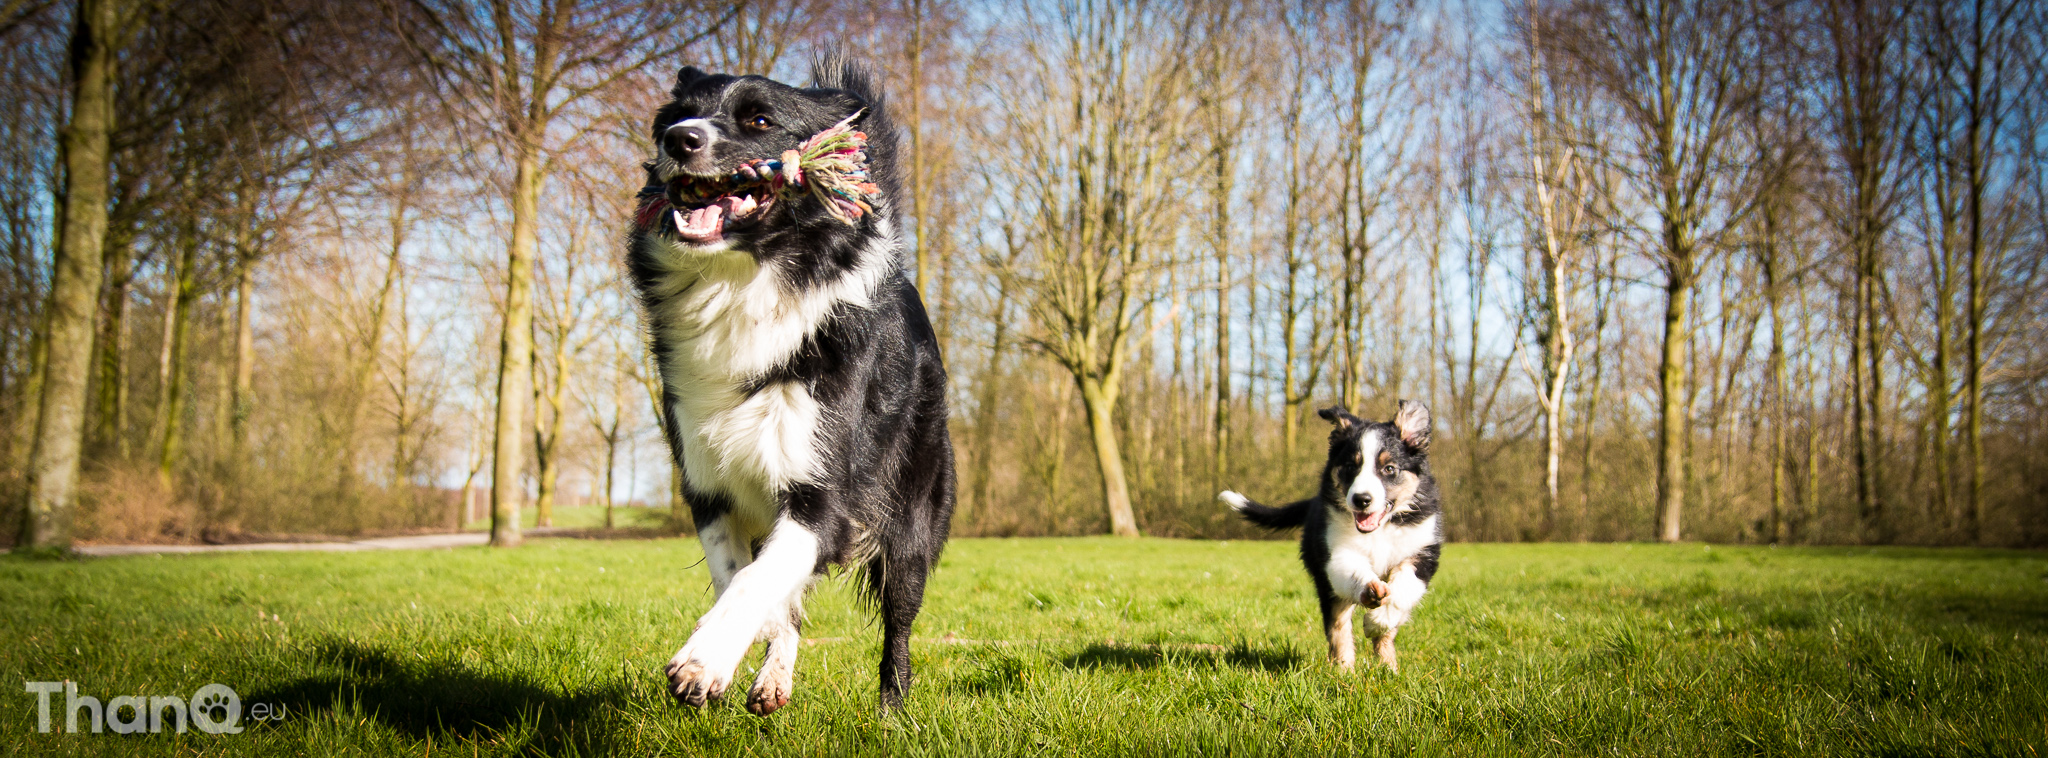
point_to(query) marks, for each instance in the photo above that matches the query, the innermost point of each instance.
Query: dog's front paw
(694, 683)
(1375, 592)
(771, 691)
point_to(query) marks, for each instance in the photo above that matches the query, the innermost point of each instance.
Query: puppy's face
(1377, 466)
(714, 124)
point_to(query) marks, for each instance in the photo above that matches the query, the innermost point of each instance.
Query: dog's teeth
(678, 216)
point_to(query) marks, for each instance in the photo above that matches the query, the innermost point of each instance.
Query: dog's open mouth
(1370, 520)
(703, 214)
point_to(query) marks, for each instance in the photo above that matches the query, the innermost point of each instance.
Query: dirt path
(414, 542)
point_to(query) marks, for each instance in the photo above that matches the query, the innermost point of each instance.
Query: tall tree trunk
(1774, 295)
(110, 438)
(1873, 452)
(1220, 156)
(173, 444)
(476, 464)
(1558, 346)
(547, 433)
(1941, 269)
(1100, 399)
(920, 195)
(515, 347)
(1672, 432)
(74, 282)
(244, 398)
(985, 406)
(30, 393)
(1981, 114)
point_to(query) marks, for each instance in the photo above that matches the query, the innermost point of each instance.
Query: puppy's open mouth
(709, 223)
(704, 210)
(1370, 520)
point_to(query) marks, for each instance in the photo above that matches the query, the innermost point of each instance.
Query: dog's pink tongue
(1370, 520)
(706, 224)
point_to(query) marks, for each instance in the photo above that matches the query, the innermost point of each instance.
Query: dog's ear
(1413, 422)
(685, 77)
(858, 85)
(1337, 414)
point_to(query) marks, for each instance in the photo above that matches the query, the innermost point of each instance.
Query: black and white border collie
(1373, 533)
(805, 397)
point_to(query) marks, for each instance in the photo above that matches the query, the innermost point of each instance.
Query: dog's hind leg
(1337, 626)
(900, 580)
(772, 687)
(771, 584)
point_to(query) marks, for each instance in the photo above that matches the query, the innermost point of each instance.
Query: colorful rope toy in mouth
(832, 165)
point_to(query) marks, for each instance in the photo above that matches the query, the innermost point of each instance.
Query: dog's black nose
(1361, 501)
(685, 139)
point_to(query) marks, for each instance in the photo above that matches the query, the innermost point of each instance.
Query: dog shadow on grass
(1243, 655)
(439, 699)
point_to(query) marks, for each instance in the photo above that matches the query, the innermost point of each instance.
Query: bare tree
(1674, 69)
(1973, 53)
(1866, 95)
(1100, 178)
(519, 72)
(60, 426)
(1559, 208)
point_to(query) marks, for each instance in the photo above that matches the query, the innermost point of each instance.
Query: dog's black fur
(1339, 519)
(879, 490)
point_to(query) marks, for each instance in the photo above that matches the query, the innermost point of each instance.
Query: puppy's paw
(1236, 501)
(694, 683)
(1375, 592)
(771, 691)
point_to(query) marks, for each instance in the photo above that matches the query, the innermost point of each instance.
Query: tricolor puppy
(805, 401)
(1372, 534)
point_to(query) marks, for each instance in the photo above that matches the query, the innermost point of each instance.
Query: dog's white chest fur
(1359, 558)
(727, 322)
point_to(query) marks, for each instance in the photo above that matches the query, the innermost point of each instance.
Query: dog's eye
(760, 122)
(1387, 470)
(1358, 457)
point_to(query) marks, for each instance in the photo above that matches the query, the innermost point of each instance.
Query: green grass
(1110, 647)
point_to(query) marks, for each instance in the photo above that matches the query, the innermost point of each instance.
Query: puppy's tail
(1284, 517)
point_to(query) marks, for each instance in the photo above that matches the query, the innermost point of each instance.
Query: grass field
(1061, 647)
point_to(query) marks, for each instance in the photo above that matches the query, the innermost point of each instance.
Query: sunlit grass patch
(1065, 647)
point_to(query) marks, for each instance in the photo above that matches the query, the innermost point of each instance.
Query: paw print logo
(216, 709)
(215, 706)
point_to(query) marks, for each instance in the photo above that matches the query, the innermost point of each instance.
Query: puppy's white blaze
(1236, 501)
(1368, 479)
(710, 129)
(773, 584)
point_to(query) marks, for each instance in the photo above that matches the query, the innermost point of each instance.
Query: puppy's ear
(685, 77)
(1336, 414)
(1413, 422)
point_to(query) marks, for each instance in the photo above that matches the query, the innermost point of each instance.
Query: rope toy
(832, 166)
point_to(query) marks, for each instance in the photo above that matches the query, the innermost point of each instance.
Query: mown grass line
(1062, 647)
